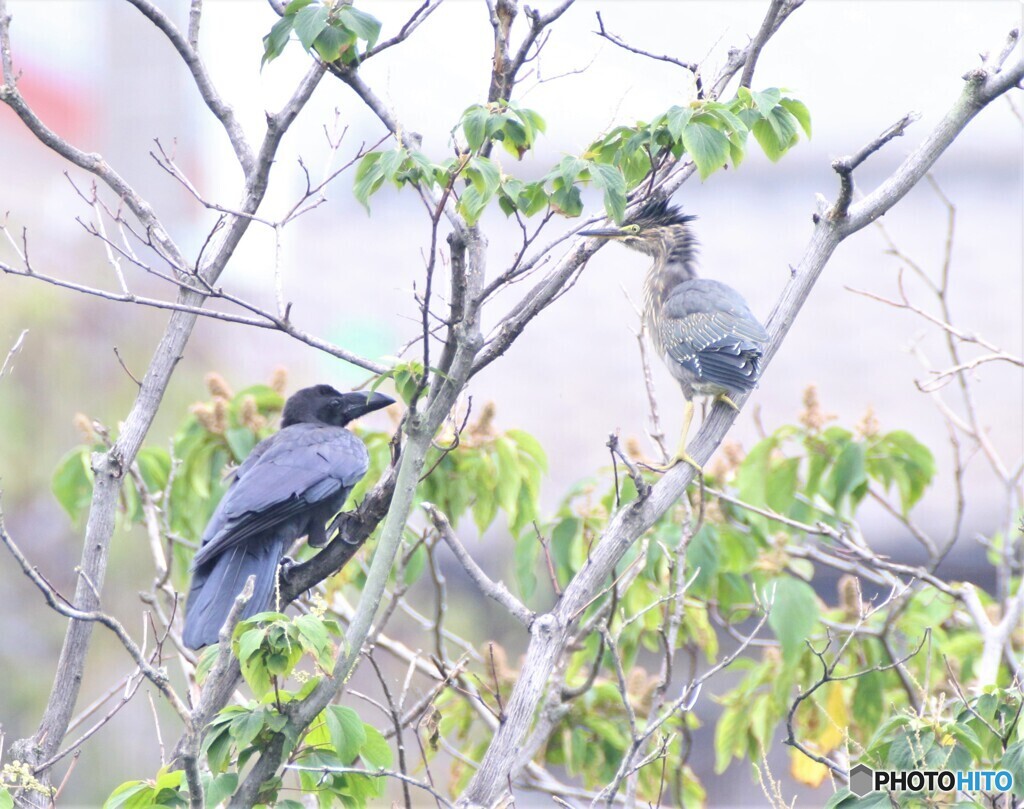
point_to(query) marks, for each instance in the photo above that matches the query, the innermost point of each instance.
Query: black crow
(290, 486)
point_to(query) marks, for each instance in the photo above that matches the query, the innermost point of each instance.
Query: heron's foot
(724, 399)
(685, 457)
(682, 457)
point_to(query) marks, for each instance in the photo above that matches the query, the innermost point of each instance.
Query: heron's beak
(604, 233)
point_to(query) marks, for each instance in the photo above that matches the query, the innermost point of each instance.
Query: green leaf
(610, 180)
(780, 486)
(563, 537)
(474, 124)
(369, 177)
(363, 25)
(799, 111)
(1013, 762)
(527, 553)
(868, 702)
(730, 736)
(257, 675)
(376, 751)
(296, 5)
(274, 42)
(702, 553)
(567, 201)
(472, 204)
(221, 788)
(313, 635)
(415, 566)
(776, 133)
(72, 482)
(332, 42)
(277, 664)
(844, 799)
(246, 728)
(568, 170)
(484, 174)
(155, 467)
(218, 750)
(309, 22)
(708, 147)
(347, 732)
(531, 446)
(391, 163)
(241, 441)
(6, 801)
(793, 616)
(913, 465)
(766, 100)
(532, 199)
(124, 793)
(509, 475)
(969, 739)
(676, 120)
(847, 474)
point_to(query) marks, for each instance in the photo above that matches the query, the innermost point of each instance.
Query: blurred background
(102, 76)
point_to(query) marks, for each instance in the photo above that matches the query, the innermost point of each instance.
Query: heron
(702, 329)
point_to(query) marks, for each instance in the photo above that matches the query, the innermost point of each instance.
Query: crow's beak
(362, 402)
(604, 233)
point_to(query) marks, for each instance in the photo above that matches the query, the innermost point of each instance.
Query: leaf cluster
(711, 133)
(331, 30)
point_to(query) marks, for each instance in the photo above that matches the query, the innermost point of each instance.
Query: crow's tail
(216, 584)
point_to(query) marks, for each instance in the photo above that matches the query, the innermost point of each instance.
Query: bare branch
(692, 67)
(759, 41)
(490, 588)
(266, 319)
(845, 166)
(60, 605)
(195, 14)
(12, 352)
(186, 48)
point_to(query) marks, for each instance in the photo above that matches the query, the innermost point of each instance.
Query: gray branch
(490, 588)
(186, 48)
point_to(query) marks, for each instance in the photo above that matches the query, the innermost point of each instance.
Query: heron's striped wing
(707, 328)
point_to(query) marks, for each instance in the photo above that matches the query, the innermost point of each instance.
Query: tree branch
(493, 590)
(186, 48)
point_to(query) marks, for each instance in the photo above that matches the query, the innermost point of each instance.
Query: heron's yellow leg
(682, 456)
(727, 401)
(681, 453)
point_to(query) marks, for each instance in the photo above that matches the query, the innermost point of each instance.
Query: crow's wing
(286, 475)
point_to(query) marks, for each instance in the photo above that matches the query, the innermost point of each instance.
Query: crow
(290, 486)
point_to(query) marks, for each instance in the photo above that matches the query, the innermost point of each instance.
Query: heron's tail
(216, 585)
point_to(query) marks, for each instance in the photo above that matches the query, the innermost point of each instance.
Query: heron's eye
(633, 228)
